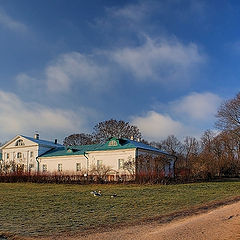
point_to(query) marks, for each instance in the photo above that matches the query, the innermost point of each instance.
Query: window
(20, 167)
(99, 163)
(19, 143)
(7, 155)
(78, 167)
(112, 143)
(120, 163)
(31, 166)
(59, 167)
(19, 155)
(31, 154)
(44, 167)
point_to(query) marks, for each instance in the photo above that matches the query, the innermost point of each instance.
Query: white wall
(108, 158)
(68, 163)
(27, 158)
(111, 158)
(25, 151)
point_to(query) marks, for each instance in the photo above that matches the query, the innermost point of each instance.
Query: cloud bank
(197, 106)
(77, 68)
(11, 24)
(184, 117)
(161, 60)
(19, 117)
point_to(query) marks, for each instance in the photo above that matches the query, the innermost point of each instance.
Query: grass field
(45, 209)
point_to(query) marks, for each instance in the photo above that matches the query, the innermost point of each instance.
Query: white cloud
(161, 60)
(11, 24)
(18, 117)
(25, 82)
(75, 68)
(188, 116)
(140, 15)
(198, 106)
(156, 126)
(131, 12)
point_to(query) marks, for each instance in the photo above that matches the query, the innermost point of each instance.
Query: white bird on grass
(96, 194)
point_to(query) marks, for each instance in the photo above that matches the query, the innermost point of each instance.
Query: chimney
(55, 141)
(36, 136)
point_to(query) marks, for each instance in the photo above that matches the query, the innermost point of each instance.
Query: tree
(130, 166)
(78, 139)
(172, 145)
(191, 149)
(156, 144)
(228, 115)
(114, 128)
(100, 171)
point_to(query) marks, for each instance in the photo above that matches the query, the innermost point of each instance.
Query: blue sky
(165, 66)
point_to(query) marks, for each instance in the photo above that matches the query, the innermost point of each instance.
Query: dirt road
(221, 223)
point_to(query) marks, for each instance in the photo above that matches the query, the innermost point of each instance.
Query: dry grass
(29, 209)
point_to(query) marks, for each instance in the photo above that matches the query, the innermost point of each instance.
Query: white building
(24, 151)
(117, 156)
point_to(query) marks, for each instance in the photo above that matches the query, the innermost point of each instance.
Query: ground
(46, 210)
(222, 223)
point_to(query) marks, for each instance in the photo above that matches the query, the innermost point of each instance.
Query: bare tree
(115, 128)
(156, 144)
(7, 167)
(172, 145)
(78, 139)
(100, 171)
(228, 115)
(130, 166)
(191, 148)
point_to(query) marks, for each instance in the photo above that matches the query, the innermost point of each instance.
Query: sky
(164, 65)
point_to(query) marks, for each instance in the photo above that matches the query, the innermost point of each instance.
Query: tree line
(216, 154)
(105, 130)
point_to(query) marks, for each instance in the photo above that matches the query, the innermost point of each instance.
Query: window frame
(19, 143)
(59, 167)
(121, 163)
(31, 165)
(112, 143)
(99, 163)
(44, 168)
(78, 167)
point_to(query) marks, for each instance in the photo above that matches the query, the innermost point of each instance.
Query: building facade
(115, 157)
(23, 151)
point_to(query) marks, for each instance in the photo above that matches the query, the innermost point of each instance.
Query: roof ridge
(42, 140)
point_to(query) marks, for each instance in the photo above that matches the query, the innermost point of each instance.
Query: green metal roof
(111, 144)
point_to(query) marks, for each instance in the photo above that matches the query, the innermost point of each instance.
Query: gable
(18, 141)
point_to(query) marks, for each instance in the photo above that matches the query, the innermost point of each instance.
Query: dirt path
(207, 222)
(221, 223)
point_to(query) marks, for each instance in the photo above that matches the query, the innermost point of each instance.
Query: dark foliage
(78, 139)
(114, 128)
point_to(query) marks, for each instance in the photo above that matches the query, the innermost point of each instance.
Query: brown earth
(221, 223)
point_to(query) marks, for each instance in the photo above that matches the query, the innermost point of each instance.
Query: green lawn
(41, 209)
